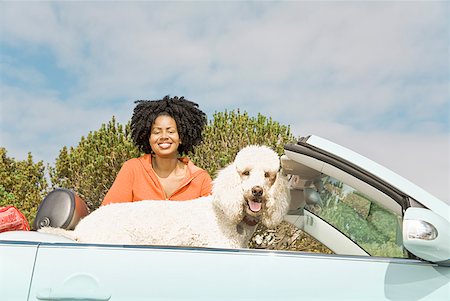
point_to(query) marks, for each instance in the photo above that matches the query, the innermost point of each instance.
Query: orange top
(137, 181)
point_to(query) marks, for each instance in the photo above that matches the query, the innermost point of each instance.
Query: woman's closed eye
(157, 132)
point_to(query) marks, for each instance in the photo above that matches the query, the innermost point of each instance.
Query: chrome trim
(253, 252)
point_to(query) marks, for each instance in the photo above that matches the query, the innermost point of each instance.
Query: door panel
(150, 273)
(16, 267)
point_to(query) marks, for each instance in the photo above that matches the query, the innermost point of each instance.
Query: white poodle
(248, 191)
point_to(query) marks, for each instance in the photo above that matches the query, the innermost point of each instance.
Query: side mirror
(312, 197)
(427, 235)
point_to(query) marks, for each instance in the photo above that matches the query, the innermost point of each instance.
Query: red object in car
(11, 219)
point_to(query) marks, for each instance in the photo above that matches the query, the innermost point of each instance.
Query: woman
(164, 130)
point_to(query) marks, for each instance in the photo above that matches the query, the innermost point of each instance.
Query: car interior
(341, 211)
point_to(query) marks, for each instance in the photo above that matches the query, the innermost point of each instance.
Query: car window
(375, 229)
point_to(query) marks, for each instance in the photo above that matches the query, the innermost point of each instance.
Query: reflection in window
(375, 229)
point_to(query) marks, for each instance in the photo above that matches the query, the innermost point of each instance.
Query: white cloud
(42, 124)
(346, 70)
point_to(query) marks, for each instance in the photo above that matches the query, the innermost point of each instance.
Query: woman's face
(164, 138)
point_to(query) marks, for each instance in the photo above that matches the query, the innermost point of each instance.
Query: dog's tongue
(254, 206)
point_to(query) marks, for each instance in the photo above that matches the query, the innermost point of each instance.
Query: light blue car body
(37, 266)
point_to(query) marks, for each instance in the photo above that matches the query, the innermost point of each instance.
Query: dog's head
(252, 186)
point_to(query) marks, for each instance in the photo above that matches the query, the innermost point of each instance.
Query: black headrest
(61, 208)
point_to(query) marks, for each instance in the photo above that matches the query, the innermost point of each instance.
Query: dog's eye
(246, 173)
(267, 174)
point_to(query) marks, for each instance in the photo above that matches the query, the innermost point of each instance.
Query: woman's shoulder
(138, 162)
(194, 170)
(190, 165)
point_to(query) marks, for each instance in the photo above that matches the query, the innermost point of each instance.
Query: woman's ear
(277, 202)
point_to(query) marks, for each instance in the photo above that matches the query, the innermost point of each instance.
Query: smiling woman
(164, 130)
(164, 141)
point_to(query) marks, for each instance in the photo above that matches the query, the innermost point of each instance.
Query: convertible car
(389, 239)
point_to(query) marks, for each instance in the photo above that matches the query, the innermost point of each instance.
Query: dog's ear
(227, 193)
(277, 202)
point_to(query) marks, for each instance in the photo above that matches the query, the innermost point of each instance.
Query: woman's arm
(206, 188)
(121, 190)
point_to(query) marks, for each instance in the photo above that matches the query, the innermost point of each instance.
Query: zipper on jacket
(184, 185)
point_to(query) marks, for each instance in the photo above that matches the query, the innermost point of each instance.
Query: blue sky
(371, 76)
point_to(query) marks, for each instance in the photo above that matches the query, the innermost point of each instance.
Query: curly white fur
(248, 191)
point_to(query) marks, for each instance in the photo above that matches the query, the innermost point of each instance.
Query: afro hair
(189, 118)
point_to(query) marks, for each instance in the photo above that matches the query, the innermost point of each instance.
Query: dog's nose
(257, 191)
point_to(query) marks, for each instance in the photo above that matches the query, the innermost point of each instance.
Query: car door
(96, 272)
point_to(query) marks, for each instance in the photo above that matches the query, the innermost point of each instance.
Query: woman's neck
(163, 167)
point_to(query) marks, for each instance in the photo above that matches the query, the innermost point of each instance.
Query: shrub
(22, 184)
(228, 132)
(91, 167)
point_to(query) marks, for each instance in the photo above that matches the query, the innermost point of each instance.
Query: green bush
(228, 132)
(22, 184)
(90, 168)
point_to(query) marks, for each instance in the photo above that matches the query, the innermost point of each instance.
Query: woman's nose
(163, 135)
